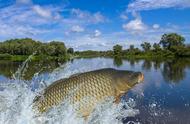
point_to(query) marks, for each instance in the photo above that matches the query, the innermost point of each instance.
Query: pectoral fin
(118, 95)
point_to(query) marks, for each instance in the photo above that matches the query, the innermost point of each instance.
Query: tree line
(171, 44)
(28, 46)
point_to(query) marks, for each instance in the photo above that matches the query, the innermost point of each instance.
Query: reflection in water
(132, 62)
(117, 61)
(157, 64)
(147, 65)
(8, 68)
(174, 70)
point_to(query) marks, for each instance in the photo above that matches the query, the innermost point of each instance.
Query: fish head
(125, 80)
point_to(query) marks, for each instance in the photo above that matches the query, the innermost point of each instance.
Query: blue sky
(94, 24)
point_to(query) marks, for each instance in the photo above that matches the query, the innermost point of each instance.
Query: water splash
(22, 69)
(16, 98)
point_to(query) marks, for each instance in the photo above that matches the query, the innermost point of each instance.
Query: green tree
(70, 50)
(156, 47)
(172, 39)
(27, 46)
(58, 48)
(131, 47)
(117, 50)
(146, 46)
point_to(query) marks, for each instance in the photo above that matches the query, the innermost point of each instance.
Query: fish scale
(87, 89)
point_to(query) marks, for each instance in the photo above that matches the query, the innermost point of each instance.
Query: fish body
(87, 89)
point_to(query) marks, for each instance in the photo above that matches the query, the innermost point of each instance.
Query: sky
(94, 24)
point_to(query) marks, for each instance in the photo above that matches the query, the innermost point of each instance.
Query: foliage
(117, 50)
(28, 46)
(131, 47)
(58, 48)
(5, 56)
(172, 39)
(180, 51)
(90, 53)
(146, 46)
(19, 49)
(156, 47)
(24, 46)
(70, 50)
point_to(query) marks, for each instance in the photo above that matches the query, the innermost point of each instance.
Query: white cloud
(123, 16)
(15, 23)
(156, 26)
(87, 16)
(7, 30)
(79, 13)
(77, 29)
(24, 1)
(45, 22)
(135, 14)
(84, 42)
(106, 41)
(135, 26)
(138, 5)
(42, 12)
(97, 33)
(98, 17)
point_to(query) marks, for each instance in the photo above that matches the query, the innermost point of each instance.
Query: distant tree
(131, 47)
(156, 47)
(25, 46)
(117, 49)
(58, 48)
(187, 45)
(146, 46)
(172, 39)
(70, 50)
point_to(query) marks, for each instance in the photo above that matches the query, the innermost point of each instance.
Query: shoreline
(70, 57)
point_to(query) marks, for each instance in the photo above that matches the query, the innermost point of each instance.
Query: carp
(88, 89)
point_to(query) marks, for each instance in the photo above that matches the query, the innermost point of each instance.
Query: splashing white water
(16, 98)
(21, 70)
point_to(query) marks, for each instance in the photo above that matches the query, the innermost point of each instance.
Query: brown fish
(87, 89)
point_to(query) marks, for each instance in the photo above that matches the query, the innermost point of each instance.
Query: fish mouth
(141, 77)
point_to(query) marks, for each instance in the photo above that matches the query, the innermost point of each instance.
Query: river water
(163, 97)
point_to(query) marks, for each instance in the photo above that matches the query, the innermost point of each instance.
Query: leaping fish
(96, 85)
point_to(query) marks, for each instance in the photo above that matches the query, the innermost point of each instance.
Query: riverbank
(162, 54)
(149, 56)
(34, 58)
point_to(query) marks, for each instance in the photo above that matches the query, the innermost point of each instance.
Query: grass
(34, 58)
(127, 55)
